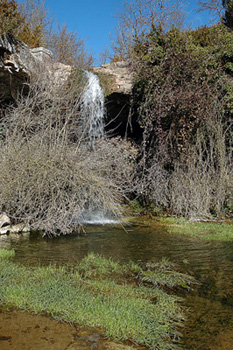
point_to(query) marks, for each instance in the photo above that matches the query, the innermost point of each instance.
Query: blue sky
(93, 20)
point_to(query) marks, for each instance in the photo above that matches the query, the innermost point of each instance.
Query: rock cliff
(121, 74)
(120, 120)
(19, 63)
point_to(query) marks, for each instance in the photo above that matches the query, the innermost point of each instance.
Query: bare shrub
(68, 49)
(47, 178)
(200, 183)
(153, 183)
(202, 186)
(120, 155)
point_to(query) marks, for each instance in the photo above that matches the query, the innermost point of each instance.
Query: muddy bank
(23, 331)
(20, 330)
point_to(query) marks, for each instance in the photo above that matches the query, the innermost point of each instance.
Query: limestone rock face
(18, 229)
(19, 63)
(4, 220)
(6, 227)
(121, 73)
(60, 72)
(120, 119)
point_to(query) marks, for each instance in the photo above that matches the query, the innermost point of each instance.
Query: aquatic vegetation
(222, 231)
(6, 254)
(123, 299)
(163, 274)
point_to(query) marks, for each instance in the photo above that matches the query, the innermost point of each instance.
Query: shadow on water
(209, 324)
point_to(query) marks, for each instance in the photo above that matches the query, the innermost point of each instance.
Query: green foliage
(180, 76)
(182, 96)
(6, 254)
(135, 207)
(218, 40)
(97, 292)
(205, 36)
(228, 16)
(11, 21)
(15, 23)
(176, 86)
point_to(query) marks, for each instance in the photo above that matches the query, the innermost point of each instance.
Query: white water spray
(97, 217)
(93, 110)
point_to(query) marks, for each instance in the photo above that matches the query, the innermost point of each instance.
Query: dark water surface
(209, 324)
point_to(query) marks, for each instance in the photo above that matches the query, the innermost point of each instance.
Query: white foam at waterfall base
(93, 110)
(97, 218)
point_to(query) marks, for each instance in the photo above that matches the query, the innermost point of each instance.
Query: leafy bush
(183, 98)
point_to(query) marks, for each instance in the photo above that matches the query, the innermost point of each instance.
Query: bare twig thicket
(67, 48)
(201, 184)
(203, 187)
(47, 178)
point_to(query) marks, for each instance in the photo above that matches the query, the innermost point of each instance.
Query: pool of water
(209, 324)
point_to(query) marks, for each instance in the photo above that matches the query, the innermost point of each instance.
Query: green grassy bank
(222, 231)
(126, 301)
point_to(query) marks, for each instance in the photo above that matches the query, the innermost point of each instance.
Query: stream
(209, 323)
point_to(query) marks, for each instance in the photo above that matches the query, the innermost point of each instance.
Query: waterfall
(92, 110)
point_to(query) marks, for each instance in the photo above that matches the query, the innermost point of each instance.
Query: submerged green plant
(124, 300)
(6, 254)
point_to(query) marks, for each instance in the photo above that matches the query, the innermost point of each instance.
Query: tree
(214, 7)
(30, 22)
(11, 20)
(27, 26)
(104, 56)
(51, 178)
(177, 84)
(228, 16)
(183, 100)
(137, 18)
(38, 22)
(65, 45)
(68, 49)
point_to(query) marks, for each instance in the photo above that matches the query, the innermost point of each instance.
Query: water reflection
(210, 320)
(7, 241)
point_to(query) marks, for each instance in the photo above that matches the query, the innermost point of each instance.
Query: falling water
(93, 110)
(93, 129)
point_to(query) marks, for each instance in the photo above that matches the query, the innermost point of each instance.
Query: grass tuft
(204, 230)
(126, 301)
(6, 254)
